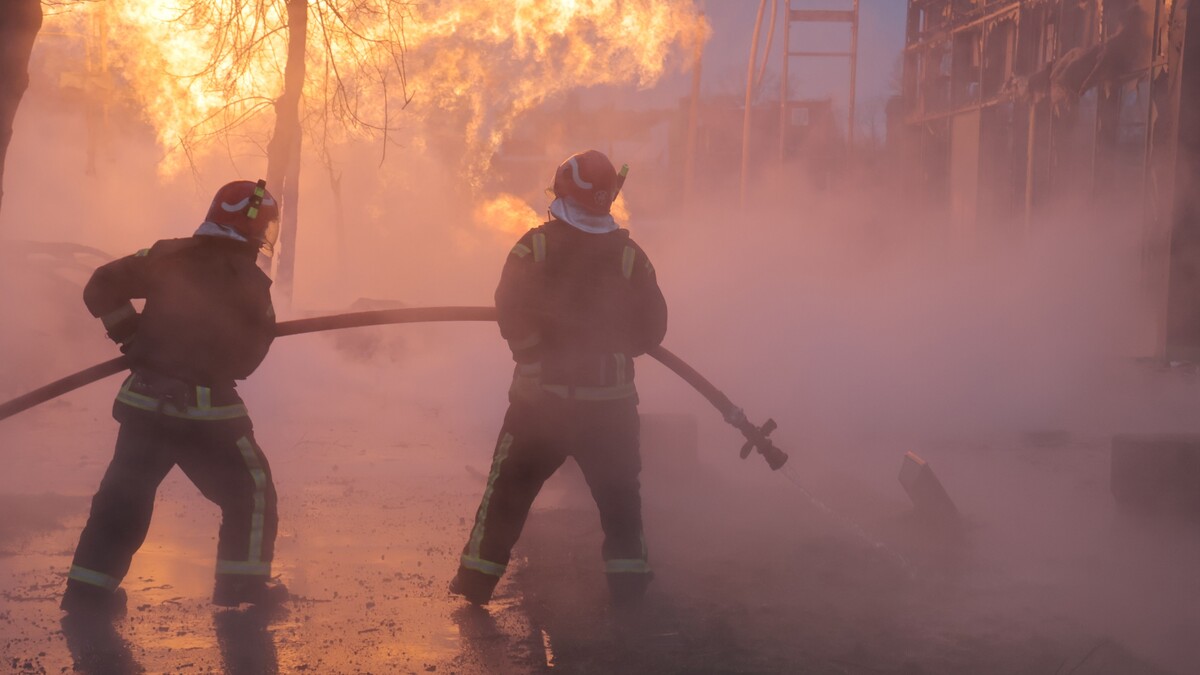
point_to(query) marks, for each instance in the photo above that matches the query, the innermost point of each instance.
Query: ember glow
(205, 73)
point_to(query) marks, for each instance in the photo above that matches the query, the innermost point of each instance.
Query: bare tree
(360, 80)
(283, 151)
(20, 21)
(357, 48)
(358, 71)
(278, 74)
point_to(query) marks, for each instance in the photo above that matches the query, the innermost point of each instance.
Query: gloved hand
(127, 344)
(121, 324)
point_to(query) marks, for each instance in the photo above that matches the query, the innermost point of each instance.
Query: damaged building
(1013, 107)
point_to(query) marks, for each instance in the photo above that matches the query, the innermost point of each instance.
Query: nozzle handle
(758, 437)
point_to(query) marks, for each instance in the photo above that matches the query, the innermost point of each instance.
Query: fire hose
(757, 437)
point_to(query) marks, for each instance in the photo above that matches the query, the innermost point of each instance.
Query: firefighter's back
(208, 316)
(603, 307)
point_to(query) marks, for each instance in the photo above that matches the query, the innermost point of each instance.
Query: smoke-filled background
(827, 286)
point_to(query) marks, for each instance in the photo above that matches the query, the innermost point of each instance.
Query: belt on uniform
(177, 398)
(529, 375)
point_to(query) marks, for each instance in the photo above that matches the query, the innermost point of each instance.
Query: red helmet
(246, 207)
(589, 179)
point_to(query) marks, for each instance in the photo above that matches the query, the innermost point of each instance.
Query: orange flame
(200, 68)
(506, 213)
(512, 215)
(620, 212)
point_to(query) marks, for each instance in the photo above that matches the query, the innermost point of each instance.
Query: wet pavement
(377, 494)
(369, 537)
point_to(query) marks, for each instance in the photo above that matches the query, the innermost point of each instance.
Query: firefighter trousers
(535, 440)
(219, 456)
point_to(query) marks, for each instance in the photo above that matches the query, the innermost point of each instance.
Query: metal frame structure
(794, 15)
(1010, 105)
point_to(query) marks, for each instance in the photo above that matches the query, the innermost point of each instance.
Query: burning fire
(511, 215)
(202, 69)
(508, 214)
(619, 212)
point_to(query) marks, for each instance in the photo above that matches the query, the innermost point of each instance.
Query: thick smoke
(864, 322)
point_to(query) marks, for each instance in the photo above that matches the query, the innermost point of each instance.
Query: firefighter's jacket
(576, 308)
(207, 322)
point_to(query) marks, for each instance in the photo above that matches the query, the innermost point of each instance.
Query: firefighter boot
(476, 587)
(233, 590)
(85, 600)
(626, 591)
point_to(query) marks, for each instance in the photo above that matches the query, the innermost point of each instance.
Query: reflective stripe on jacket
(576, 308)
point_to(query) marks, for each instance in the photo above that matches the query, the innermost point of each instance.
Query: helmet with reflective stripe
(246, 207)
(589, 180)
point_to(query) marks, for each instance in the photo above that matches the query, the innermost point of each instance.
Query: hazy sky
(881, 39)
(881, 36)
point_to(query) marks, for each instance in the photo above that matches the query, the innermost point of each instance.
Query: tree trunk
(20, 21)
(339, 217)
(283, 151)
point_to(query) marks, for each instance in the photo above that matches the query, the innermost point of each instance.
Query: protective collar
(571, 213)
(211, 229)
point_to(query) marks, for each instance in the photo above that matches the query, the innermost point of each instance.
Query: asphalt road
(377, 495)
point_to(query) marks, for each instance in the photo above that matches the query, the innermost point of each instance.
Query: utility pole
(746, 117)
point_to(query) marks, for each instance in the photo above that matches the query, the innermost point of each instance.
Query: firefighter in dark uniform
(207, 322)
(577, 301)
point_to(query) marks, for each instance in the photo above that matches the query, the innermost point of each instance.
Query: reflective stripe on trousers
(471, 559)
(626, 566)
(254, 564)
(629, 565)
(485, 566)
(242, 567)
(93, 578)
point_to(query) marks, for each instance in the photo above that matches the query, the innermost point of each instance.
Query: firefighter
(207, 322)
(577, 301)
